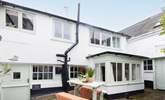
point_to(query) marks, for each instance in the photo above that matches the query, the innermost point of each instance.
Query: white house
(32, 38)
(147, 41)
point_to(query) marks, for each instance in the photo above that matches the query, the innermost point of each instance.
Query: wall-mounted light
(14, 58)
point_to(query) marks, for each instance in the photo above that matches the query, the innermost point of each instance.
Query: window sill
(148, 71)
(62, 40)
(105, 47)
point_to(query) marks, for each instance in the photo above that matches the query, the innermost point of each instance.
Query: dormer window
(11, 18)
(27, 22)
(116, 42)
(94, 37)
(62, 30)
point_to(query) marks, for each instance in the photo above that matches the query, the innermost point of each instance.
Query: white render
(39, 47)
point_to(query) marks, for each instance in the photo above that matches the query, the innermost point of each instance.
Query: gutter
(65, 73)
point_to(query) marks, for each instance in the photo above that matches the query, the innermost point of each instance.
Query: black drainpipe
(65, 73)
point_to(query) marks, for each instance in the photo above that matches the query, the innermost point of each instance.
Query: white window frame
(147, 65)
(97, 75)
(62, 22)
(20, 20)
(42, 72)
(137, 74)
(74, 72)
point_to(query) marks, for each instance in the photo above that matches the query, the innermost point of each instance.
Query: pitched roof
(116, 53)
(61, 17)
(143, 27)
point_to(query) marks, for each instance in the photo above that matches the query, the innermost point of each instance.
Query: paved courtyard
(149, 94)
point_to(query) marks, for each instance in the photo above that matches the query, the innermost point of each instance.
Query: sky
(111, 14)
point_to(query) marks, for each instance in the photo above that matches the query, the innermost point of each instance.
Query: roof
(116, 53)
(143, 27)
(50, 14)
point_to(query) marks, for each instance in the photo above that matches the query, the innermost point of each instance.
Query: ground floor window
(76, 70)
(100, 72)
(136, 72)
(42, 72)
(148, 64)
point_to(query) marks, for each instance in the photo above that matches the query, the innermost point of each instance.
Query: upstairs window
(148, 65)
(94, 37)
(11, 18)
(106, 39)
(116, 42)
(62, 30)
(27, 22)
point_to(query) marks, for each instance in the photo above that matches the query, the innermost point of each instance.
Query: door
(15, 85)
(160, 73)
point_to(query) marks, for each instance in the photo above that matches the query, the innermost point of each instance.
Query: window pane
(138, 72)
(97, 72)
(114, 70)
(27, 22)
(45, 75)
(127, 72)
(34, 76)
(35, 68)
(40, 68)
(150, 62)
(133, 72)
(150, 67)
(67, 31)
(94, 37)
(106, 39)
(11, 18)
(114, 41)
(102, 71)
(45, 68)
(40, 76)
(119, 71)
(50, 69)
(58, 29)
(50, 75)
(145, 68)
(118, 42)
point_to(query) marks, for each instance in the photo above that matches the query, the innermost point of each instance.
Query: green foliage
(90, 72)
(6, 68)
(162, 22)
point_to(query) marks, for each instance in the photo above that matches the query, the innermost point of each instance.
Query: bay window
(42, 72)
(136, 72)
(27, 22)
(11, 18)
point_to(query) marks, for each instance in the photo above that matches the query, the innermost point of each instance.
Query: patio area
(148, 94)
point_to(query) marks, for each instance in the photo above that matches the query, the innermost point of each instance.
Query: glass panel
(97, 72)
(71, 75)
(106, 39)
(127, 72)
(114, 70)
(40, 68)
(114, 41)
(118, 42)
(50, 69)
(58, 29)
(67, 31)
(133, 72)
(119, 71)
(34, 76)
(50, 75)
(103, 71)
(145, 68)
(150, 62)
(138, 72)
(11, 19)
(150, 67)
(94, 37)
(35, 68)
(45, 68)
(45, 75)
(27, 22)
(40, 76)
